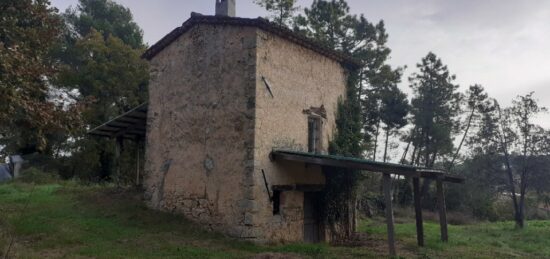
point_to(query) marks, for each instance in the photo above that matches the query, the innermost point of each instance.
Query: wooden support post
(442, 210)
(418, 212)
(389, 214)
(137, 162)
(118, 151)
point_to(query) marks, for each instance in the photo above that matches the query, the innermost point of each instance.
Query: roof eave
(347, 61)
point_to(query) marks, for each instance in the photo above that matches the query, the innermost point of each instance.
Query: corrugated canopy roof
(130, 125)
(363, 164)
(258, 23)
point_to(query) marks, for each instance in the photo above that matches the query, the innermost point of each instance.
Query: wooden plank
(418, 212)
(389, 214)
(442, 210)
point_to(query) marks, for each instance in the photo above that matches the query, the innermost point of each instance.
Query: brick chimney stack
(225, 8)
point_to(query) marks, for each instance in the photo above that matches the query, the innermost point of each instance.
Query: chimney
(225, 8)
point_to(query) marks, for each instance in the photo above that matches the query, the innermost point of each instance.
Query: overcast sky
(502, 44)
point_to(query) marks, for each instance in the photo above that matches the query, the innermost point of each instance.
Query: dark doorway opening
(312, 221)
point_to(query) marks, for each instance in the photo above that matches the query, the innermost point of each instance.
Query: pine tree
(282, 11)
(434, 109)
(106, 17)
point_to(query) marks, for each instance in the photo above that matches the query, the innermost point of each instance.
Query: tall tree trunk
(413, 156)
(463, 138)
(376, 140)
(427, 147)
(386, 145)
(504, 142)
(404, 156)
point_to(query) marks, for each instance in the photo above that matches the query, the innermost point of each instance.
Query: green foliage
(102, 55)
(347, 139)
(327, 21)
(37, 176)
(29, 110)
(106, 17)
(434, 109)
(340, 192)
(281, 11)
(114, 78)
(109, 72)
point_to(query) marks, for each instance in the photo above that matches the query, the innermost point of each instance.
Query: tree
(328, 22)
(109, 71)
(282, 11)
(106, 17)
(434, 109)
(101, 53)
(393, 112)
(30, 106)
(477, 101)
(115, 77)
(520, 146)
(529, 136)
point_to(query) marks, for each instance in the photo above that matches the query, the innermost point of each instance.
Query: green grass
(66, 220)
(483, 240)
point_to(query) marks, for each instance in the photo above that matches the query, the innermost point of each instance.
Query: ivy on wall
(339, 195)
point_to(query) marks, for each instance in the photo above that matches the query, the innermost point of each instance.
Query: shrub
(37, 176)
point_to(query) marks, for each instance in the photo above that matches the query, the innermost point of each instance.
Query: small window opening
(276, 202)
(314, 135)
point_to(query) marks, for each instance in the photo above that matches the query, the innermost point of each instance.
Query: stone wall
(212, 123)
(199, 158)
(298, 79)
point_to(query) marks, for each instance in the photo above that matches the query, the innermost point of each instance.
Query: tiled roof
(258, 23)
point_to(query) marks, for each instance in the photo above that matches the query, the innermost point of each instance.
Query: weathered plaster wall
(199, 159)
(212, 124)
(299, 79)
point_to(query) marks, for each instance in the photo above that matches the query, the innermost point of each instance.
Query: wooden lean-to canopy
(364, 165)
(388, 169)
(130, 125)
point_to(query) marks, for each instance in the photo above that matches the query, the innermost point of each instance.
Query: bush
(37, 176)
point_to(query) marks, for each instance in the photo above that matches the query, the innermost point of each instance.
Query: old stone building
(226, 92)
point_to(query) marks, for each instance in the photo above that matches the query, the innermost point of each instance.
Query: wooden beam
(418, 212)
(118, 151)
(446, 177)
(137, 162)
(131, 120)
(299, 187)
(389, 214)
(442, 210)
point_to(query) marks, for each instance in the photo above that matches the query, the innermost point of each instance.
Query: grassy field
(66, 220)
